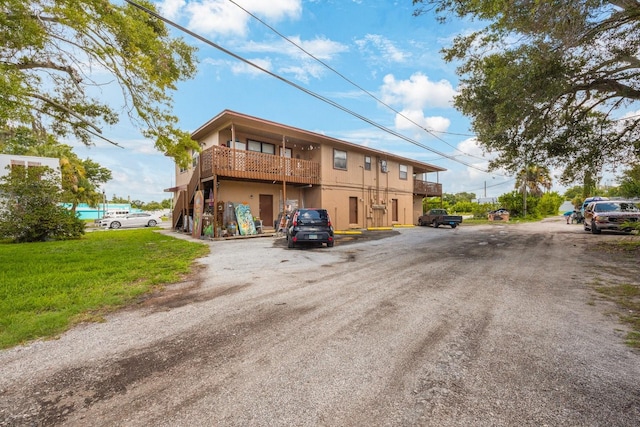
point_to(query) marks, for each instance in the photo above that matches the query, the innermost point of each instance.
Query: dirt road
(477, 326)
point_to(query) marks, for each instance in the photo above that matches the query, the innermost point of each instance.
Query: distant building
(8, 161)
(482, 200)
(84, 211)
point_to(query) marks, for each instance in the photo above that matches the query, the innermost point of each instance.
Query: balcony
(427, 189)
(232, 163)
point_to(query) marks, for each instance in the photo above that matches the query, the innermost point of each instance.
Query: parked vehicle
(141, 219)
(116, 213)
(610, 215)
(437, 217)
(309, 226)
(589, 200)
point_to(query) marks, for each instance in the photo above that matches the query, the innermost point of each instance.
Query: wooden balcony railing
(427, 189)
(229, 162)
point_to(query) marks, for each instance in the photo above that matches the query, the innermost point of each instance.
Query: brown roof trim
(229, 117)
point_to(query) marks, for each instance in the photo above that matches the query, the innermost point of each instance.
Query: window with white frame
(404, 171)
(339, 159)
(367, 163)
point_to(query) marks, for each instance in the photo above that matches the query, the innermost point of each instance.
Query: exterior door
(266, 210)
(394, 210)
(353, 210)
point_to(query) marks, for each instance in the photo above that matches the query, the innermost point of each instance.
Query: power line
(297, 86)
(430, 132)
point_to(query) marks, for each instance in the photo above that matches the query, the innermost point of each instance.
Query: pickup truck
(437, 217)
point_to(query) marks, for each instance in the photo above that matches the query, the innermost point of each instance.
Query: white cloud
(320, 47)
(171, 8)
(418, 92)
(222, 17)
(413, 96)
(408, 119)
(243, 68)
(376, 46)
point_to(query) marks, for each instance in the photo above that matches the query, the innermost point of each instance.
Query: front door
(266, 210)
(353, 210)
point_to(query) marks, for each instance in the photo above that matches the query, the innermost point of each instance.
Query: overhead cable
(324, 64)
(301, 88)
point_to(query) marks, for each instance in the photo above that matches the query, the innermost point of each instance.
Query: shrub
(29, 209)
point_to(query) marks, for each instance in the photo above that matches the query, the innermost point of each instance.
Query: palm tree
(534, 179)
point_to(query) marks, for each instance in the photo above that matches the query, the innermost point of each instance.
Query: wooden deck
(228, 162)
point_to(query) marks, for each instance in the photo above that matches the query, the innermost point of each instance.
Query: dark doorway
(353, 210)
(266, 210)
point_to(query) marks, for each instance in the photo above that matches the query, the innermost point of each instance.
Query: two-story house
(274, 167)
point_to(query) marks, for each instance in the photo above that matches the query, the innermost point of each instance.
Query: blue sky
(376, 44)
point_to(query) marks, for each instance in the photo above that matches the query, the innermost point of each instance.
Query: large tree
(547, 82)
(60, 59)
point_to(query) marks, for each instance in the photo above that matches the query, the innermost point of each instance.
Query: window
(383, 166)
(268, 148)
(254, 146)
(260, 147)
(404, 171)
(367, 163)
(339, 159)
(194, 158)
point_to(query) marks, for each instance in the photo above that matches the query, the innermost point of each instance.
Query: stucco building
(8, 161)
(274, 167)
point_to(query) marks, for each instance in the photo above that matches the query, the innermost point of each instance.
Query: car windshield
(616, 207)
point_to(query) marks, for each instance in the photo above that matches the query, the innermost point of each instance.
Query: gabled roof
(258, 126)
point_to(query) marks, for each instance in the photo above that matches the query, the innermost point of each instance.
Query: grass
(627, 298)
(47, 287)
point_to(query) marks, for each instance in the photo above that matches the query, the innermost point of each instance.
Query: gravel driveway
(477, 326)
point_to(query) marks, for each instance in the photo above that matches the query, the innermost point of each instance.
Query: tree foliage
(535, 179)
(547, 82)
(630, 182)
(60, 59)
(30, 210)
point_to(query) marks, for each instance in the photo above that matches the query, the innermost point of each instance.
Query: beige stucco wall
(373, 190)
(370, 187)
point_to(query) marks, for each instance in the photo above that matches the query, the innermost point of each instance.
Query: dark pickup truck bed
(437, 217)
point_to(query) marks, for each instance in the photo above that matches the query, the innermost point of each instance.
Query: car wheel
(594, 228)
(115, 224)
(329, 244)
(584, 225)
(436, 224)
(420, 222)
(152, 223)
(454, 225)
(290, 243)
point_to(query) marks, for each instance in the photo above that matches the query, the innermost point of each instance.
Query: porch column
(284, 181)
(215, 205)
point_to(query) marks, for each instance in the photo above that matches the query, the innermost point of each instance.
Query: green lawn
(47, 287)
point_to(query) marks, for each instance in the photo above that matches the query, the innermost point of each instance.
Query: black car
(309, 226)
